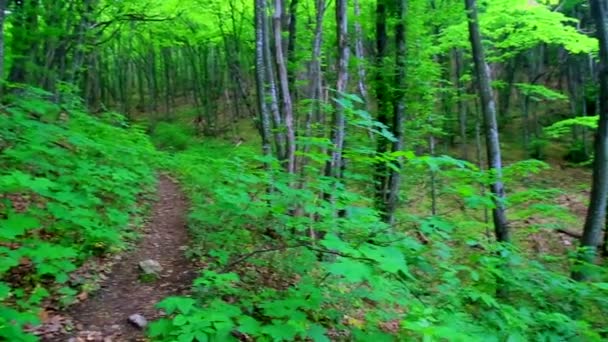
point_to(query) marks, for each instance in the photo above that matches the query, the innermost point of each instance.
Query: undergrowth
(283, 266)
(70, 184)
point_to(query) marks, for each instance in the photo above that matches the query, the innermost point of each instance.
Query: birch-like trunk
(260, 73)
(488, 108)
(360, 54)
(334, 165)
(290, 155)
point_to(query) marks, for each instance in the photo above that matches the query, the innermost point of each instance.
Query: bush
(577, 153)
(537, 147)
(173, 137)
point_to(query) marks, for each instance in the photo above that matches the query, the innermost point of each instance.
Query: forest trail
(104, 317)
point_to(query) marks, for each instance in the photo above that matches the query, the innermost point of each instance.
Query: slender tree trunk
(488, 107)
(505, 93)
(461, 103)
(166, 56)
(291, 47)
(290, 155)
(260, 72)
(315, 82)
(273, 96)
(596, 214)
(382, 92)
(360, 54)
(398, 111)
(334, 165)
(2, 53)
(433, 178)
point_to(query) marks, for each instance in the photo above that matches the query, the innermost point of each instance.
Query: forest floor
(105, 315)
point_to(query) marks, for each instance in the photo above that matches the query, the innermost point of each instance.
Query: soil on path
(104, 316)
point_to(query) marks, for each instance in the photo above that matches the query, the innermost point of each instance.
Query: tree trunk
(399, 111)
(360, 54)
(461, 103)
(488, 108)
(315, 82)
(291, 47)
(2, 19)
(334, 165)
(290, 155)
(596, 215)
(382, 91)
(260, 72)
(273, 96)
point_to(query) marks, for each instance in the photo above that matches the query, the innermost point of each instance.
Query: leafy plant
(68, 187)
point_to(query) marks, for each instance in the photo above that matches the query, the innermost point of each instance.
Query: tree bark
(273, 96)
(287, 105)
(260, 72)
(360, 54)
(596, 215)
(291, 47)
(488, 108)
(315, 82)
(2, 53)
(382, 91)
(398, 111)
(461, 103)
(334, 165)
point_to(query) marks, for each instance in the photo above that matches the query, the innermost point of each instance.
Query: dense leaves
(70, 185)
(267, 279)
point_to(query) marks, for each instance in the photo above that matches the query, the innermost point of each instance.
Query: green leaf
(248, 325)
(353, 271)
(160, 327)
(180, 320)
(5, 291)
(317, 333)
(17, 225)
(177, 304)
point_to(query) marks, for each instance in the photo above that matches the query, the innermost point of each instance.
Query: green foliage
(514, 26)
(69, 183)
(172, 137)
(578, 152)
(540, 93)
(563, 127)
(537, 147)
(267, 279)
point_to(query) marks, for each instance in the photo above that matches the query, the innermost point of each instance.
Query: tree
(260, 71)
(287, 107)
(334, 165)
(488, 108)
(398, 111)
(383, 107)
(2, 47)
(596, 214)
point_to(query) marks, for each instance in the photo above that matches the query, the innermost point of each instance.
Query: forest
(303, 170)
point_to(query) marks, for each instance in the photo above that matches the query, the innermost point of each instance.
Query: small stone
(150, 267)
(183, 248)
(115, 327)
(138, 320)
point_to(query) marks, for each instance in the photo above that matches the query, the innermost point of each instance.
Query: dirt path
(104, 316)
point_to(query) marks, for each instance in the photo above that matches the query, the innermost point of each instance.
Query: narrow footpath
(105, 315)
